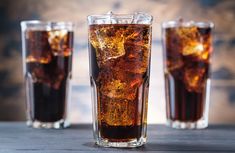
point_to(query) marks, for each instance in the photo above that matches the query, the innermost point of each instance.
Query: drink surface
(48, 69)
(187, 69)
(119, 60)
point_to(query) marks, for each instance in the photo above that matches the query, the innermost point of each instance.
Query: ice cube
(118, 89)
(111, 18)
(42, 60)
(187, 33)
(204, 56)
(37, 47)
(58, 40)
(137, 47)
(38, 74)
(198, 51)
(187, 36)
(141, 18)
(42, 74)
(193, 48)
(193, 44)
(173, 44)
(194, 79)
(118, 112)
(135, 66)
(108, 42)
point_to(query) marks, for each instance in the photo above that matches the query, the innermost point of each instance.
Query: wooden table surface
(15, 137)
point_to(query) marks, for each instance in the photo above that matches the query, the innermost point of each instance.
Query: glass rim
(175, 23)
(46, 23)
(120, 16)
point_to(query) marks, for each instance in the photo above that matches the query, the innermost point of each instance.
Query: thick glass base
(200, 124)
(61, 124)
(129, 144)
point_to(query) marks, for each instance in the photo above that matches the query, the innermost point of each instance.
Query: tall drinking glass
(47, 64)
(187, 48)
(119, 51)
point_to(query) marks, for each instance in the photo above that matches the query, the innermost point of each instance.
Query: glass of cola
(47, 49)
(187, 48)
(119, 51)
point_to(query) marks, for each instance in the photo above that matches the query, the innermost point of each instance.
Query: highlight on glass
(119, 51)
(187, 48)
(47, 49)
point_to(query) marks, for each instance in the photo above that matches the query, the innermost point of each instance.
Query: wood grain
(15, 137)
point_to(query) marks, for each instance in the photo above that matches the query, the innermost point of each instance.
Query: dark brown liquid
(120, 133)
(186, 106)
(186, 74)
(49, 72)
(120, 72)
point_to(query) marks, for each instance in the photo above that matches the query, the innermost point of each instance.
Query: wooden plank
(66, 151)
(16, 137)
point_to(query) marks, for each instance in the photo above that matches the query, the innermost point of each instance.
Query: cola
(48, 58)
(187, 56)
(119, 64)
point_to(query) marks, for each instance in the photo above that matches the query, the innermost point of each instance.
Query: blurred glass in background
(222, 13)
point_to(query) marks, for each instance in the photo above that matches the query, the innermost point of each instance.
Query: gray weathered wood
(17, 138)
